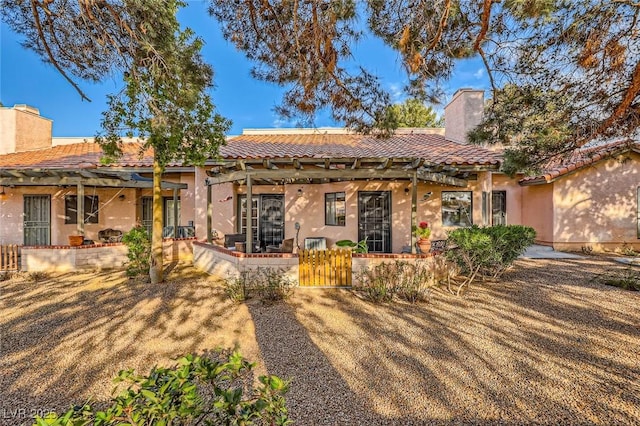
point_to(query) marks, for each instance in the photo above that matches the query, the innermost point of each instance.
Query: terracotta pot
(76, 240)
(424, 244)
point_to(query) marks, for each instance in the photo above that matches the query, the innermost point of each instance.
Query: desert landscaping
(549, 344)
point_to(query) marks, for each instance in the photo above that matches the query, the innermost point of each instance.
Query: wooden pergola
(312, 170)
(81, 178)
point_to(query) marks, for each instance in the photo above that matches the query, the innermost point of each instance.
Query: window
(335, 209)
(457, 208)
(91, 207)
(169, 211)
(147, 213)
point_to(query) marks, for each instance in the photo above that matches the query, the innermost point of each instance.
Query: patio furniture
(437, 247)
(110, 235)
(183, 232)
(285, 247)
(315, 243)
(230, 240)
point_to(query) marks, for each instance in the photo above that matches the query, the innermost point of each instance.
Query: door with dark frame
(374, 220)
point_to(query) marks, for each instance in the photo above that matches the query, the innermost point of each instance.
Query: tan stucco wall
(537, 211)
(113, 212)
(502, 182)
(23, 131)
(597, 206)
(308, 209)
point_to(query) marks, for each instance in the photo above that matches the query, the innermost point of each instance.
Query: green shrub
(627, 279)
(138, 251)
(487, 252)
(407, 281)
(236, 287)
(268, 284)
(271, 284)
(212, 389)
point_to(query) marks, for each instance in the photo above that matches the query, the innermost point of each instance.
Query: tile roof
(562, 165)
(432, 147)
(78, 155)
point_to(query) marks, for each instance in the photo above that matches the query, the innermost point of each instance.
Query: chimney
(23, 129)
(463, 113)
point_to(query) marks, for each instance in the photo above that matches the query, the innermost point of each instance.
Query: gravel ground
(548, 345)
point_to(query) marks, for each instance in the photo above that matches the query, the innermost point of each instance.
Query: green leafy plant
(422, 230)
(214, 388)
(138, 251)
(487, 252)
(359, 247)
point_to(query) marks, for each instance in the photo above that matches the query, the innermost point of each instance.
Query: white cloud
(397, 93)
(479, 74)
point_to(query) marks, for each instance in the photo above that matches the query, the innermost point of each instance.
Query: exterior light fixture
(121, 197)
(299, 192)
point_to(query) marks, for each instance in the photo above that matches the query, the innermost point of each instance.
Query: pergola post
(80, 208)
(414, 209)
(175, 213)
(209, 214)
(249, 235)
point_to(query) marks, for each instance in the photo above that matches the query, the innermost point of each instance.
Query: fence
(9, 257)
(325, 268)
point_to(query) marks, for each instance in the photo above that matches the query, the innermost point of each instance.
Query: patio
(547, 345)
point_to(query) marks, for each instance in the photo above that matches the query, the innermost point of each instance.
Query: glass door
(374, 220)
(37, 220)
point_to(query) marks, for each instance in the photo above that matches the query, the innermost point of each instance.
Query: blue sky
(25, 79)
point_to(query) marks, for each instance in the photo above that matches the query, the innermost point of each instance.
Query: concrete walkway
(545, 252)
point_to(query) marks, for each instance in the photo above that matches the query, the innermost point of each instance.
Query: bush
(627, 279)
(209, 389)
(407, 281)
(138, 251)
(487, 252)
(268, 284)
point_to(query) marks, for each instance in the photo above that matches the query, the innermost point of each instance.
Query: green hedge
(489, 251)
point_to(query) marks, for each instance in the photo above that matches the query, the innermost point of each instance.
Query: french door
(374, 220)
(267, 218)
(37, 220)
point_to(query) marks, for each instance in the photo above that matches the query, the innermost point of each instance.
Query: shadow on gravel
(547, 345)
(65, 338)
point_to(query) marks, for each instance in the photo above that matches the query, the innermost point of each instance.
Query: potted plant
(76, 240)
(423, 232)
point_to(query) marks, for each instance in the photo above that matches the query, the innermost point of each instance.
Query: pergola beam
(97, 181)
(351, 174)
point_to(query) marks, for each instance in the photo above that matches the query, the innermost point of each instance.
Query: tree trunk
(155, 271)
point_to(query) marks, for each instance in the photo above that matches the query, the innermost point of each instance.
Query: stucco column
(414, 209)
(175, 213)
(209, 213)
(249, 235)
(80, 209)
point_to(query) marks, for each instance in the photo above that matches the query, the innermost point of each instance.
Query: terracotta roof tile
(562, 165)
(432, 147)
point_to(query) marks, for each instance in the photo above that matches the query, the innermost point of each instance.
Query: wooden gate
(325, 268)
(9, 257)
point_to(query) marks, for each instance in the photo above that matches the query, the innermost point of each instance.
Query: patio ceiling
(87, 177)
(322, 170)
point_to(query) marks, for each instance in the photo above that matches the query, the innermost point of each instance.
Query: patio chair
(285, 247)
(230, 240)
(110, 235)
(437, 247)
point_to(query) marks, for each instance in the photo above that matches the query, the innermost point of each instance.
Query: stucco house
(316, 186)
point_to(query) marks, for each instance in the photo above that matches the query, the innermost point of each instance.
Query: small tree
(138, 251)
(165, 103)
